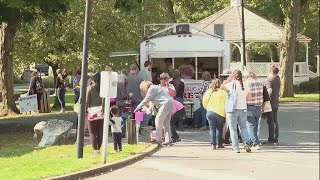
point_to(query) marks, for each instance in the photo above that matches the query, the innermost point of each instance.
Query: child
(116, 124)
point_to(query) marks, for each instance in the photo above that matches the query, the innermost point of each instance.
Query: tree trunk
(7, 103)
(288, 50)
(170, 9)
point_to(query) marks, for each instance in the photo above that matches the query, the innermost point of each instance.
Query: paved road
(297, 156)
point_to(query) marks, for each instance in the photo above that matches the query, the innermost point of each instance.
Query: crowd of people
(232, 105)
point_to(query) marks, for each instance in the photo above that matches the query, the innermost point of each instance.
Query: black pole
(243, 35)
(83, 88)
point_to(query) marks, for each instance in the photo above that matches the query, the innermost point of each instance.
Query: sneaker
(267, 142)
(167, 144)
(236, 151)
(276, 143)
(247, 148)
(257, 147)
(214, 146)
(220, 146)
(176, 140)
(156, 142)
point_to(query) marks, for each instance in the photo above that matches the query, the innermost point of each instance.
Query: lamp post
(243, 36)
(83, 88)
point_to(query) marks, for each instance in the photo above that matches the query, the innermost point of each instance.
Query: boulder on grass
(38, 130)
(56, 132)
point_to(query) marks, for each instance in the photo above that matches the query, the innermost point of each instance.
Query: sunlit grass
(302, 97)
(21, 159)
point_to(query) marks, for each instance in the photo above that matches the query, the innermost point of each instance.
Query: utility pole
(243, 36)
(83, 88)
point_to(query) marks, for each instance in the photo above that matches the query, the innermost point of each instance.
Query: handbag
(95, 113)
(76, 107)
(267, 107)
(231, 102)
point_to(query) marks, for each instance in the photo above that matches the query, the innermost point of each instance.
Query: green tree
(13, 14)
(288, 45)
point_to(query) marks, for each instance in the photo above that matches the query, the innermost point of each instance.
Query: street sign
(28, 103)
(108, 78)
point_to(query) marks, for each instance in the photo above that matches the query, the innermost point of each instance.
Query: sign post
(108, 89)
(83, 88)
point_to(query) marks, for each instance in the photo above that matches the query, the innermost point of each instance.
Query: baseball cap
(226, 72)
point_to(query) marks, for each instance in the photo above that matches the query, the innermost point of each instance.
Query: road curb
(109, 167)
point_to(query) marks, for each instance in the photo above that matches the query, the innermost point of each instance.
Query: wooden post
(131, 131)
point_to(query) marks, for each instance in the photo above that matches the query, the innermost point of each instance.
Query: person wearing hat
(132, 85)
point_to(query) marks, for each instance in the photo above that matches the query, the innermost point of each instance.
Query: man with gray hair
(254, 105)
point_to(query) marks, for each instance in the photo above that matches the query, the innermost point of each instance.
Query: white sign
(28, 103)
(108, 79)
(191, 90)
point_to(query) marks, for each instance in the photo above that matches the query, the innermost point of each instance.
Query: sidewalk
(297, 156)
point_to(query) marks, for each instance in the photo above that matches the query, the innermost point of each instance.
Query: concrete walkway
(297, 156)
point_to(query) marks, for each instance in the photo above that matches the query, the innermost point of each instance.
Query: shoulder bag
(231, 102)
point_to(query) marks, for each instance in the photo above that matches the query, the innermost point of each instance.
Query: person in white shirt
(145, 73)
(116, 125)
(234, 84)
(186, 69)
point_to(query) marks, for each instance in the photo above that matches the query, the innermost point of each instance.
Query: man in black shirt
(273, 87)
(33, 87)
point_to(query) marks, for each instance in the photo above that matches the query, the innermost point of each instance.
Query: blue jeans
(61, 97)
(215, 122)
(238, 117)
(253, 115)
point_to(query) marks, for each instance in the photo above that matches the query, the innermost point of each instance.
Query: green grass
(69, 101)
(20, 159)
(302, 97)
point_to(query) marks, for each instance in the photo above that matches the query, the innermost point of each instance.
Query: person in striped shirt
(254, 104)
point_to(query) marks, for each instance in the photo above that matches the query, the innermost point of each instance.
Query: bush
(311, 86)
(48, 82)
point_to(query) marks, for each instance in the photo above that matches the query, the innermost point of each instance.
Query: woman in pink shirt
(178, 113)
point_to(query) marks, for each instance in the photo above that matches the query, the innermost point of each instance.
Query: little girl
(116, 124)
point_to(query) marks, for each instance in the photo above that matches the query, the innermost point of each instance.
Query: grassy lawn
(20, 159)
(302, 97)
(69, 101)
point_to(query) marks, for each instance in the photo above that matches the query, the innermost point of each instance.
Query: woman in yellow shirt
(213, 101)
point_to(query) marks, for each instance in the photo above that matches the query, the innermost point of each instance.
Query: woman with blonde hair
(162, 101)
(213, 101)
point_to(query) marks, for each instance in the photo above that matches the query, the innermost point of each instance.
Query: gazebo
(228, 23)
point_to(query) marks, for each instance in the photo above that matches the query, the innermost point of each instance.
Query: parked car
(43, 68)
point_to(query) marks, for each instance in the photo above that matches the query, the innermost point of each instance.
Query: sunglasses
(163, 78)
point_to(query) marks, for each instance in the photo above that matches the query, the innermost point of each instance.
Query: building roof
(257, 28)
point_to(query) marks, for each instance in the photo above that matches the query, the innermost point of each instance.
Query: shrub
(48, 82)
(311, 86)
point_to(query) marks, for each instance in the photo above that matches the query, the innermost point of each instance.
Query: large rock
(38, 130)
(56, 132)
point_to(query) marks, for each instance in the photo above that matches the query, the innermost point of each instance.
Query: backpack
(231, 102)
(39, 85)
